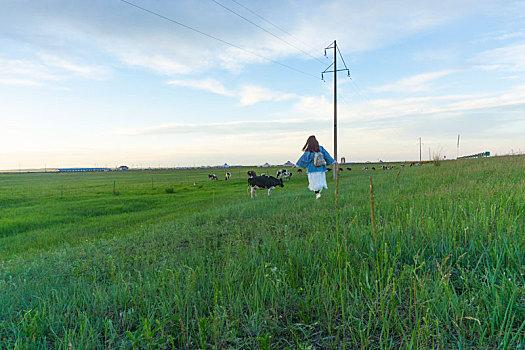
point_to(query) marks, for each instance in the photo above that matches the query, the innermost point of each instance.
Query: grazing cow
(328, 169)
(373, 168)
(228, 175)
(340, 169)
(212, 177)
(300, 172)
(285, 174)
(268, 182)
(349, 169)
(252, 173)
(280, 173)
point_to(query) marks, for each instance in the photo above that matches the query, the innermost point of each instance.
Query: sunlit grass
(446, 271)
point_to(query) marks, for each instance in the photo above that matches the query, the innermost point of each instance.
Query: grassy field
(42, 211)
(150, 260)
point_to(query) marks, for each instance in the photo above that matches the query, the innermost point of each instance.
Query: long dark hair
(311, 145)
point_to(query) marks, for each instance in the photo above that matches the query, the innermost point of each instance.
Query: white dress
(317, 181)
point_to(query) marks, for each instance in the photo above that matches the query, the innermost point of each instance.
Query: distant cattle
(299, 171)
(328, 169)
(228, 175)
(373, 168)
(349, 169)
(340, 169)
(267, 182)
(284, 174)
(212, 177)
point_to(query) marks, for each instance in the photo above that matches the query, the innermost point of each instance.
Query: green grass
(45, 211)
(208, 267)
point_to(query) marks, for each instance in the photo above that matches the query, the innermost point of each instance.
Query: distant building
(477, 155)
(266, 165)
(79, 170)
(288, 163)
(122, 168)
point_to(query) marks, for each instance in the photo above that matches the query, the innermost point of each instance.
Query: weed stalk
(372, 211)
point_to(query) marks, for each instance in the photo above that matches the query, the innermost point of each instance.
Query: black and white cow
(268, 182)
(349, 169)
(252, 173)
(284, 174)
(299, 171)
(212, 177)
(228, 175)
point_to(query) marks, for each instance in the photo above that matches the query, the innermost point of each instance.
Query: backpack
(319, 159)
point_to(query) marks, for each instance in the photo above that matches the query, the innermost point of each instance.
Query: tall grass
(444, 270)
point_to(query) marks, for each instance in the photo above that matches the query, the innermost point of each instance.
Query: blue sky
(102, 83)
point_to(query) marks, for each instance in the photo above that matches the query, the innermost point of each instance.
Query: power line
(267, 31)
(216, 38)
(273, 24)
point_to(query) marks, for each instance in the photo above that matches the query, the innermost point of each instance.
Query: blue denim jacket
(307, 161)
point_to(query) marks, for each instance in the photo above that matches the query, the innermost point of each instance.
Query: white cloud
(245, 127)
(248, 95)
(316, 106)
(141, 39)
(369, 26)
(509, 58)
(46, 69)
(64, 36)
(210, 85)
(510, 35)
(253, 94)
(25, 72)
(20, 82)
(65, 66)
(159, 63)
(415, 83)
(382, 109)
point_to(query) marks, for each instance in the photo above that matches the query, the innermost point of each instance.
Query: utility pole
(420, 149)
(334, 64)
(335, 112)
(457, 151)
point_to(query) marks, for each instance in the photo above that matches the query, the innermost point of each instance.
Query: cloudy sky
(106, 83)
